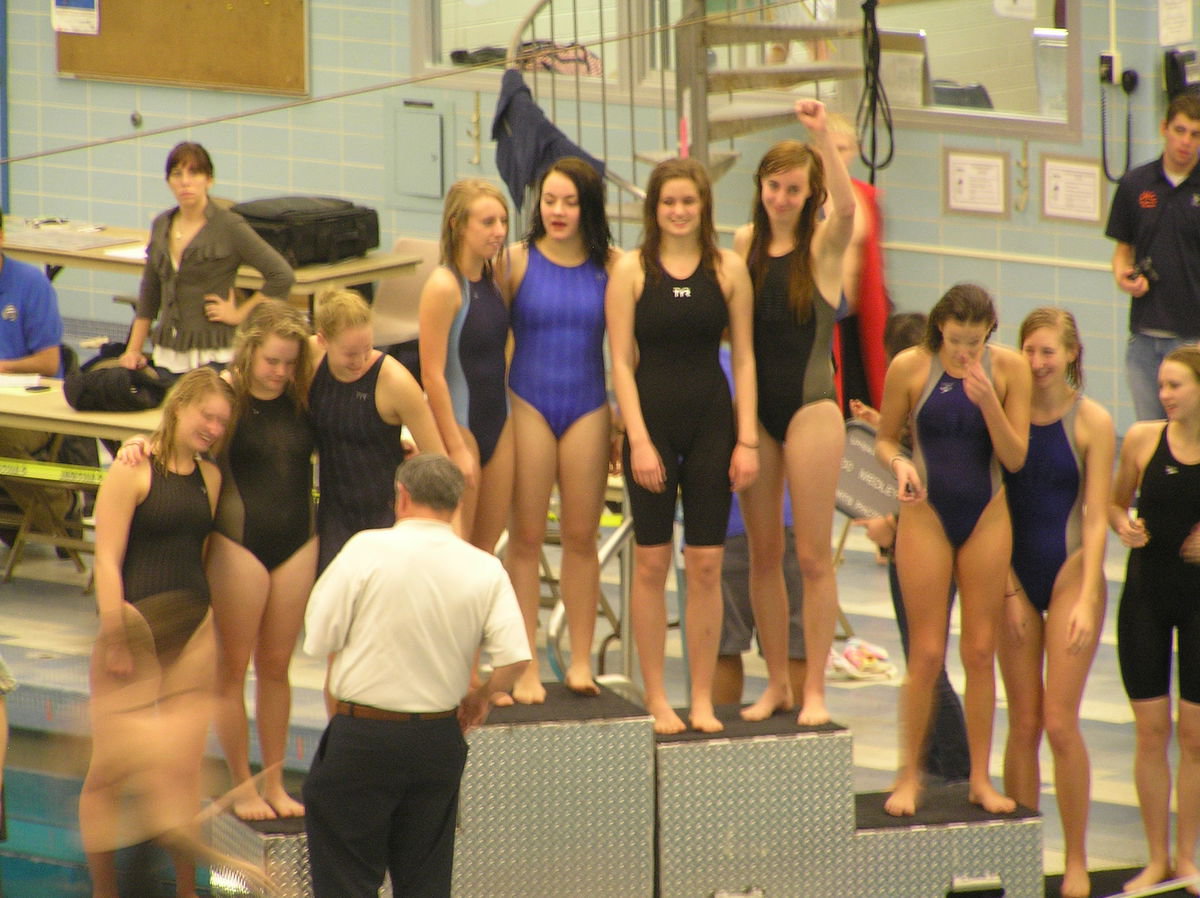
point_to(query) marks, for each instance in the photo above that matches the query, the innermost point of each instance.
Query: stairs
(704, 36)
(727, 67)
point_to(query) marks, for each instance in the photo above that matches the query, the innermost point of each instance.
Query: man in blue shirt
(1155, 219)
(31, 333)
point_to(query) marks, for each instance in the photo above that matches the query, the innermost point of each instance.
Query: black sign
(865, 488)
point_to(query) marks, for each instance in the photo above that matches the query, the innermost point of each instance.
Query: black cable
(873, 104)
(1104, 134)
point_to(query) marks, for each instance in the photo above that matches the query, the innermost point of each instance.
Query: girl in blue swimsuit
(795, 261)
(667, 306)
(1055, 603)
(968, 404)
(560, 415)
(464, 329)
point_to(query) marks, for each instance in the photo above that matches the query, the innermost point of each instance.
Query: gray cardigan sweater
(209, 265)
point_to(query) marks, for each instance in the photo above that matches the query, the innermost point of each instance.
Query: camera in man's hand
(1143, 267)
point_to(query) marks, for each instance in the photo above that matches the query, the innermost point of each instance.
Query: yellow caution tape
(51, 472)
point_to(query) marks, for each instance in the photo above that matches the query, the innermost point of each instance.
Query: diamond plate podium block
(278, 846)
(949, 844)
(558, 799)
(766, 806)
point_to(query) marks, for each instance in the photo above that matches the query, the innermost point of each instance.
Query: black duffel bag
(103, 385)
(307, 230)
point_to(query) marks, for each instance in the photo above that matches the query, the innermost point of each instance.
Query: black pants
(383, 795)
(946, 752)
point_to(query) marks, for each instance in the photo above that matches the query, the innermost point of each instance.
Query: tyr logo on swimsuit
(681, 292)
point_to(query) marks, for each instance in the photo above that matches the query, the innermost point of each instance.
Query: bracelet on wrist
(746, 445)
(892, 463)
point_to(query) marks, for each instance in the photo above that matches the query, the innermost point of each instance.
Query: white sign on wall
(1071, 189)
(75, 16)
(975, 182)
(1175, 22)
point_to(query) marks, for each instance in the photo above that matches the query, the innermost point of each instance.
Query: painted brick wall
(339, 147)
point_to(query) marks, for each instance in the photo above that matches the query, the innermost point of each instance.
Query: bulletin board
(258, 46)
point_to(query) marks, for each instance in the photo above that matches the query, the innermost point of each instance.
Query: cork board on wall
(258, 46)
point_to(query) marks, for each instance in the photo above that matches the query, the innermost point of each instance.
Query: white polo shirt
(405, 608)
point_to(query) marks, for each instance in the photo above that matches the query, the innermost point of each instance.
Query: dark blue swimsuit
(359, 453)
(1045, 500)
(952, 450)
(558, 328)
(475, 364)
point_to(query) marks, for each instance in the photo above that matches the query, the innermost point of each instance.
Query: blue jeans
(1143, 355)
(946, 753)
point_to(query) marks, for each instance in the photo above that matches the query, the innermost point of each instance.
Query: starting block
(556, 799)
(579, 797)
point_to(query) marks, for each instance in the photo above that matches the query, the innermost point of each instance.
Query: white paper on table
(137, 252)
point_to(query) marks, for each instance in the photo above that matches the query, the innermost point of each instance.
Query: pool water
(43, 858)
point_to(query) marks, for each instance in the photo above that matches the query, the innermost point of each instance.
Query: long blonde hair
(271, 318)
(1068, 334)
(455, 213)
(339, 311)
(191, 389)
(1188, 356)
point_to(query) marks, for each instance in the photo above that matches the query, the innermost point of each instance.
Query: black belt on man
(351, 709)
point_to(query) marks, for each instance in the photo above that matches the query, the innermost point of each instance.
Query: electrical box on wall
(417, 153)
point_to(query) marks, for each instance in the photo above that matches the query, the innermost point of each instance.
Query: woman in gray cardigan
(192, 260)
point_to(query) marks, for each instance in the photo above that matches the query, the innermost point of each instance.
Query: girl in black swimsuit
(361, 399)
(263, 557)
(795, 262)
(151, 670)
(1160, 466)
(666, 306)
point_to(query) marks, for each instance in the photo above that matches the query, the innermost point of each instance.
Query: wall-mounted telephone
(1181, 72)
(1127, 79)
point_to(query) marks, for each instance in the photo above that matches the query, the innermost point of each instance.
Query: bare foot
(814, 713)
(579, 680)
(773, 699)
(1075, 882)
(1185, 868)
(529, 689)
(247, 804)
(704, 720)
(903, 800)
(666, 721)
(987, 797)
(283, 804)
(501, 700)
(1152, 874)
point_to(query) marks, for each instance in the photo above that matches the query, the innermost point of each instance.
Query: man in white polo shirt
(403, 611)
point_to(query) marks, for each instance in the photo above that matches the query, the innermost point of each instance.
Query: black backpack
(103, 385)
